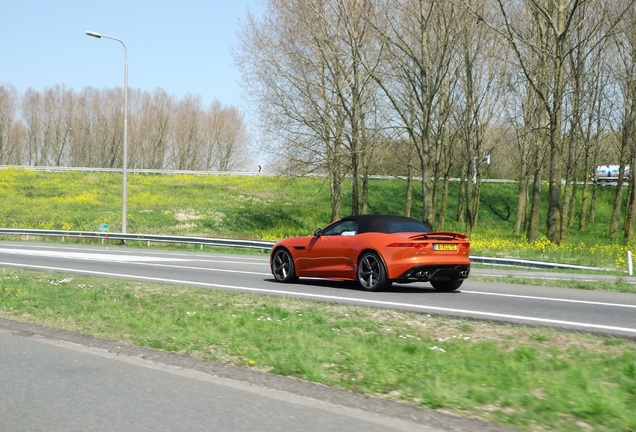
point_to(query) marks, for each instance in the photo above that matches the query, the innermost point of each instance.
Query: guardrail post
(630, 265)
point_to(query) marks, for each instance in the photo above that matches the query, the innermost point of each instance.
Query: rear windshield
(404, 226)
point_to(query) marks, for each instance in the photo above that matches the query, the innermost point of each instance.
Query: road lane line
(87, 256)
(203, 268)
(123, 257)
(336, 298)
(550, 299)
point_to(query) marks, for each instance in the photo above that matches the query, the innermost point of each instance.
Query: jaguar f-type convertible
(375, 251)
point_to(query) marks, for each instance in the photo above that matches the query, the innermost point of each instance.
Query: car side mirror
(317, 232)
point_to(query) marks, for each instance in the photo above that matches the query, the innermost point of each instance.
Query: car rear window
(405, 226)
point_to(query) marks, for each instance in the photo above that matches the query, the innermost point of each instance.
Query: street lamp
(124, 192)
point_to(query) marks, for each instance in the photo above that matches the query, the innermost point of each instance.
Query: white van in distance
(609, 173)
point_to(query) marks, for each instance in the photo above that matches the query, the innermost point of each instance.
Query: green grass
(527, 377)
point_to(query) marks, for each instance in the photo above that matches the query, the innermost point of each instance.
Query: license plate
(445, 247)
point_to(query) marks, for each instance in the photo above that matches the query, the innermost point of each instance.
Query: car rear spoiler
(439, 236)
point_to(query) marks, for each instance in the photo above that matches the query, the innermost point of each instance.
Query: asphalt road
(584, 310)
(53, 380)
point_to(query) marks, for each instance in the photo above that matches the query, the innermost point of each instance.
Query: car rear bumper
(426, 273)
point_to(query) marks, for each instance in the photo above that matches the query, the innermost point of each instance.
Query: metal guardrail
(256, 244)
(514, 262)
(105, 235)
(220, 173)
(131, 170)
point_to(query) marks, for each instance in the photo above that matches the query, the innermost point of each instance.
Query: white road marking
(339, 298)
(137, 259)
(550, 299)
(107, 257)
(208, 268)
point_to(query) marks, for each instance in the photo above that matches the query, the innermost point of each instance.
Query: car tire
(371, 272)
(283, 267)
(447, 285)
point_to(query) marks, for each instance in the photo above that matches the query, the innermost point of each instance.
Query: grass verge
(531, 378)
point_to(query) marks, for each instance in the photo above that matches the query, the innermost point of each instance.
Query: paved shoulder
(61, 381)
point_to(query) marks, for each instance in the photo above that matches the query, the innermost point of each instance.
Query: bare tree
(34, 125)
(357, 55)
(60, 127)
(555, 21)
(290, 65)
(551, 38)
(625, 72)
(8, 121)
(593, 78)
(58, 114)
(527, 119)
(187, 134)
(518, 115)
(583, 117)
(482, 68)
(227, 138)
(84, 130)
(419, 39)
(151, 123)
(445, 140)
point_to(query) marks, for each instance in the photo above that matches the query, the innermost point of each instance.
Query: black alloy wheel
(371, 272)
(283, 266)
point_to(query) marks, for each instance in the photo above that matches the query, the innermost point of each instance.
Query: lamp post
(124, 192)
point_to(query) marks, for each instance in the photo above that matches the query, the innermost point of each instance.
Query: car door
(331, 251)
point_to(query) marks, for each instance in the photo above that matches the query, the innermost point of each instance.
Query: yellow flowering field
(612, 255)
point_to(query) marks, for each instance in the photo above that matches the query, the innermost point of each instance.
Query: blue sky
(181, 46)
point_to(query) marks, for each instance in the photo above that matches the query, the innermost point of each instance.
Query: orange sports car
(375, 251)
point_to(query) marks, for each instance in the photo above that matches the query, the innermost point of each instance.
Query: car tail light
(406, 245)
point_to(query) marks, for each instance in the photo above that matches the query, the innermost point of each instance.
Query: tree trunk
(461, 206)
(631, 213)
(365, 193)
(618, 203)
(444, 205)
(476, 200)
(522, 205)
(408, 202)
(630, 218)
(428, 210)
(572, 216)
(468, 226)
(535, 209)
(592, 214)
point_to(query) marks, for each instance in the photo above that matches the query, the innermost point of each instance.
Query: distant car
(375, 251)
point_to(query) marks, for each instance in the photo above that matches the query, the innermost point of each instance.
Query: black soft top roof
(387, 224)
